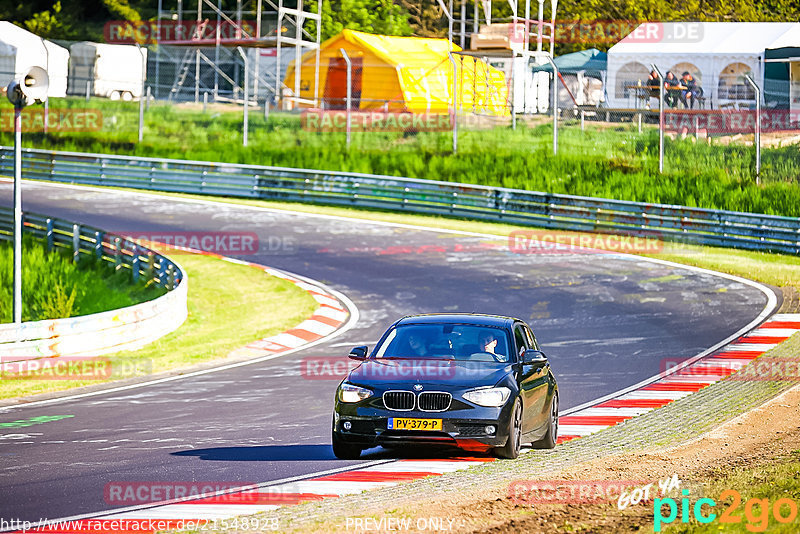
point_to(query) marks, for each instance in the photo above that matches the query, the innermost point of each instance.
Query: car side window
(519, 338)
(532, 343)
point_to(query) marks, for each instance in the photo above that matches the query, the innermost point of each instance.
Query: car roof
(459, 318)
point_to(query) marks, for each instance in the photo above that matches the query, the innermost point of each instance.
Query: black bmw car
(477, 382)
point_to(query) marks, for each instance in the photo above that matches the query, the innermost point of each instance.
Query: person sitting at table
(652, 84)
(672, 88)
(692, 91)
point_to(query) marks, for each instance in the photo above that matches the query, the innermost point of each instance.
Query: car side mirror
(359, 353)
(533, 356)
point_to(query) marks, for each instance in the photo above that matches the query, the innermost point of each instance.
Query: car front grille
(434, 401)
(428, 401)
(399, 400)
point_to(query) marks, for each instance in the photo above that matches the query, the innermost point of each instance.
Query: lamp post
(30, 88)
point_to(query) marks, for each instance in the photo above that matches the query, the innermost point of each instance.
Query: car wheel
(549, 439)
(511, 449)
(115, 95)
(342, 450)
(127, 96)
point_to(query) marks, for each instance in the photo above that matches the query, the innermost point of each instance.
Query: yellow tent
(399, 74)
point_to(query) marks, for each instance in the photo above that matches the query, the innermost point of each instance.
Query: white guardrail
(101, 333)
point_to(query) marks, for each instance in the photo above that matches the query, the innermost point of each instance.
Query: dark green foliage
(53, 287)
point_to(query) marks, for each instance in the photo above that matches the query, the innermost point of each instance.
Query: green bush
(53, 287)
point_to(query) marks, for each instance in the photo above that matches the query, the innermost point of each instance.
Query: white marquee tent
(21, 49)
(718, 54)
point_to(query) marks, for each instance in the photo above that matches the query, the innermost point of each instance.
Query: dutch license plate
(401, 423)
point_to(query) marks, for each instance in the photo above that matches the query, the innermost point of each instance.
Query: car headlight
(491, 397)
(351, 393)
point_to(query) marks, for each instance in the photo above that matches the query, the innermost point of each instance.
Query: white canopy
(21, 49)
(718, 54)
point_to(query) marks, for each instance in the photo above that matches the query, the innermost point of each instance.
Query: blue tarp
(592, 61)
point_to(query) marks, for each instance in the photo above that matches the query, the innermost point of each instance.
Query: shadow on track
(307, 453)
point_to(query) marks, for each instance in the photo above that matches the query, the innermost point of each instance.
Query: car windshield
(446, 341)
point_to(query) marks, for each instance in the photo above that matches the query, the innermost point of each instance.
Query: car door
(533, 382)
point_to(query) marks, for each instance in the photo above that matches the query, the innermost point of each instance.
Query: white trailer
(21, 50)
(110, 70)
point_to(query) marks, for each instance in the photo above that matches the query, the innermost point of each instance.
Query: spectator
(672, 88)
(652, 84)
(692, 91)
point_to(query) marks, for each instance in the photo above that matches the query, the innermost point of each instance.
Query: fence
(111, 331)
(554, 211)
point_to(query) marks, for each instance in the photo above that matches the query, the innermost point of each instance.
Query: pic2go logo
(756, 511)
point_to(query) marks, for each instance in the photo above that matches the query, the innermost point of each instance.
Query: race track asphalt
(606, 322)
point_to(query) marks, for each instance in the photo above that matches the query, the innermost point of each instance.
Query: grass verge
(767, 484)
(55, 287)
(222, 317)
(610, 160)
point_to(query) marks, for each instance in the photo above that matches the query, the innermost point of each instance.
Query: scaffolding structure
(200, 53)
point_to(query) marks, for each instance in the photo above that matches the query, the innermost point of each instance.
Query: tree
(374, 16)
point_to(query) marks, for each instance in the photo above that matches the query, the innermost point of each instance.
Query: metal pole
(455, 103)
(46, 98)
(142, 94)
(462, 39)
(513, 93)
(349, 100)
(757, 127)
(555, 105)
(158, 48)
(147, 101)
(205, 100)
(88, 89)
(246, 93)
(17, 301)
(660, 118)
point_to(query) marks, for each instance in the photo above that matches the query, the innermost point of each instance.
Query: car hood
(443, 373)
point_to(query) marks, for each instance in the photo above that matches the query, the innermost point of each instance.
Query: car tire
(127, 96)
(548, 441)
(511, 449)
(115, 95)
(344, 451)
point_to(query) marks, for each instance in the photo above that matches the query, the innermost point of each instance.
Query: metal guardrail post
(76, 243)
(349, 99)
(117, 253)
(757, 140)
(660, 119)
(98, 245)
(135, 264)
(49, 234)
